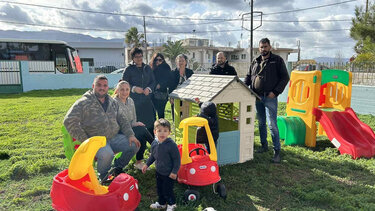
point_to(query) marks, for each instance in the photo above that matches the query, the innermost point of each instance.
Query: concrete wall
(104, 57)
(35, 81)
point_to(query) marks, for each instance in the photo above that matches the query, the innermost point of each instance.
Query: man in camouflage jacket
(97, 114)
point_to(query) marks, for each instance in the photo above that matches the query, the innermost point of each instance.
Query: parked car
(118, 71)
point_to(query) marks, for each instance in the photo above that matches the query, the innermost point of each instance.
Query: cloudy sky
(322, 30)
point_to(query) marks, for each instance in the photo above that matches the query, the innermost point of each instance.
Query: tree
(172, 49)
(363, 27)
(133, 38)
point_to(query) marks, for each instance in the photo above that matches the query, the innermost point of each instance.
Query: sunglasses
(159, 60)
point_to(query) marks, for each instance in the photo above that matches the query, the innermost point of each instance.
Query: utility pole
(145, 42)
(251, 30)
(299, 50)
(366, 6)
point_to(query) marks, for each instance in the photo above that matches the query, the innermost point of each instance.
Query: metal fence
(10, 73)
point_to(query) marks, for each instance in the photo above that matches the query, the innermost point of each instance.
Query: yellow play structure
(308, 90)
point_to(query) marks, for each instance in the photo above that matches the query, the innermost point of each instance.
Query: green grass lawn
(31, 153)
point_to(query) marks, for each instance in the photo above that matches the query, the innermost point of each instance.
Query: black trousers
(160, 106)
(164, 185)
(143, 135)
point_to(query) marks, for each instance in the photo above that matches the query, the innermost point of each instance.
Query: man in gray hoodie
(97, 114)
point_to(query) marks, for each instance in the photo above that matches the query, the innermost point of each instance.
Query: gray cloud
(14, 13)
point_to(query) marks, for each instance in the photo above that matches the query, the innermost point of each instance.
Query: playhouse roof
(205, 87)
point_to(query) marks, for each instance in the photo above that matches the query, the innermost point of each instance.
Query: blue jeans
(267, 109)
(105, 155)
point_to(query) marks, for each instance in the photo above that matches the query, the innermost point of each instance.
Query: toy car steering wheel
(197, 151)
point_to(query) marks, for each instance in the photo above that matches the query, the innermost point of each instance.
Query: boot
(276, 158)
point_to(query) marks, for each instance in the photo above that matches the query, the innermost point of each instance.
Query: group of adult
(127, 119)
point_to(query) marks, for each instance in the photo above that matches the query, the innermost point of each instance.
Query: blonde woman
(121, 95)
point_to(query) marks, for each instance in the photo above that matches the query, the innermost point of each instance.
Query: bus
(64, 57)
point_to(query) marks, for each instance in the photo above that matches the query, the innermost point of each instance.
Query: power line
(167, 17)
(116, 14)
(305, 21)
(308, 8)
(163, 32)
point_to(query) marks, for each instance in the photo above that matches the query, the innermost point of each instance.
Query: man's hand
(172, 176)
(146, 91)
(271, 95)
(144, 168)
(138, 90)
(133, 139)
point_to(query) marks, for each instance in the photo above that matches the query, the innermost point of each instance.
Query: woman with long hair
(126, 103)
(162, 73)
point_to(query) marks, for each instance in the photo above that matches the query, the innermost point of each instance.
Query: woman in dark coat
(162, 73)
(179, 75)
(142, 84)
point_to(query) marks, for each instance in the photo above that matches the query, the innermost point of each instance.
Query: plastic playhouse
(324, 97)
(78, 188)
(198, 167)
(235, 104)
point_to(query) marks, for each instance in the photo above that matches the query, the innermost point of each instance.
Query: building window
(234, 57)
(248, 121)
(243, 56)
(208, 55)
(193, 55)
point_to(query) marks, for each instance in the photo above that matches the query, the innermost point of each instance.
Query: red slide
(347, 132)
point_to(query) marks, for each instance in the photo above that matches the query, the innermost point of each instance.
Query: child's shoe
(156, 205)
(171, 207)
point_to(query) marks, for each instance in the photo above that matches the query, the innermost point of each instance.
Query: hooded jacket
(87, 118)
(166, 155)
(208, 111)
(226, 70)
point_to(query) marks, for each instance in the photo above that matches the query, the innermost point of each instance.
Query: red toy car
(198, 168)
(78, 188)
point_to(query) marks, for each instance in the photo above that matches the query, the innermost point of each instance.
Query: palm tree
(172, 49)
(133, 38)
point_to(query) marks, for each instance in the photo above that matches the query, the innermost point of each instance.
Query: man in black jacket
(268, 77)
(222, 67)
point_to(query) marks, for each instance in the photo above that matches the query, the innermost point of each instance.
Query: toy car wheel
(220, 188)
(191, 195)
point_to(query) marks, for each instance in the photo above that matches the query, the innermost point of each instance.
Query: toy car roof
(193, 121)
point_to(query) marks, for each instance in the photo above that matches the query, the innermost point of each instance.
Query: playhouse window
(248, 121)
(248, 108)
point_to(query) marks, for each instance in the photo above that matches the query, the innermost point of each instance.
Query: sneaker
(276, 158)
(156, 205)
(111, 175)
(139, 165)
(262, 150)
(171, 207)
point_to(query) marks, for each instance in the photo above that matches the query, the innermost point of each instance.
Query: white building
(110, 55)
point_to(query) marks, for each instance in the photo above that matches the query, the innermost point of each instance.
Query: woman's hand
(173, 176)
(158, 86)
(138, 90)
(139, 124)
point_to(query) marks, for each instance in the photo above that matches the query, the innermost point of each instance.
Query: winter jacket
(162, 75)
(273, 78)
(175, 78)
(143, 78)
(208, 111)
(166, 155)
(226, 70)
(87, 118)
